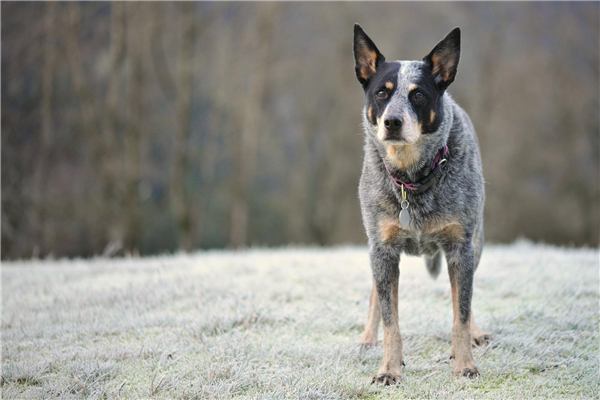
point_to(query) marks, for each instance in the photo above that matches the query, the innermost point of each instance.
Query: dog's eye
(382, 94)
(419, 96)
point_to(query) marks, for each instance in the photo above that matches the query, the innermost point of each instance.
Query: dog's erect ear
(366, 56)
(443, 59)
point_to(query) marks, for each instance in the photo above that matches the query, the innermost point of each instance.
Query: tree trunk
(252, 110)
(42, 173)
(180, 196)
(108, 161)
(136, 40)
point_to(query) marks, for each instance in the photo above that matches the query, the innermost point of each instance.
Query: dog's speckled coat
(448, 218)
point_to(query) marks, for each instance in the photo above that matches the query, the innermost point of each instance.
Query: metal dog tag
(404, 215)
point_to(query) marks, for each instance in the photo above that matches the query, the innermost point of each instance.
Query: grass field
(284, 324)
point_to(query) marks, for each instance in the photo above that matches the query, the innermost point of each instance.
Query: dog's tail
(434, 264)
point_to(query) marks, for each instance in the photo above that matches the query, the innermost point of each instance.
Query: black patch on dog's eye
(428, 109)
(387, 72)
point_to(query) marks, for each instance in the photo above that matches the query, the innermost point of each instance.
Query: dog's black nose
(392, 124)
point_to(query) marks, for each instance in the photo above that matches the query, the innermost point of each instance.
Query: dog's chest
(425, 234)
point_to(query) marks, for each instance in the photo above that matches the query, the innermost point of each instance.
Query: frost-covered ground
(284, 324)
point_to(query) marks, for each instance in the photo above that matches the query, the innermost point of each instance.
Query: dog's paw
(482, 339)
(468, 372)
(387, 379)
(366, 346)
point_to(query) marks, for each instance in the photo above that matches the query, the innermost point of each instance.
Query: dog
(421, 191)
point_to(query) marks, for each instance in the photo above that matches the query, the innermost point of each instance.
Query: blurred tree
(107, 157)
(180, 196)
(137, 39)
(46, 128)
(257, 43)
(154, 127)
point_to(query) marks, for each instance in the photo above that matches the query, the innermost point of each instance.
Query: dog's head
(404, 98)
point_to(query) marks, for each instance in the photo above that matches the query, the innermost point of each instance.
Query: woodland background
(151, 127)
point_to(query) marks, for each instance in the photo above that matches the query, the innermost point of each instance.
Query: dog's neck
(409, 163)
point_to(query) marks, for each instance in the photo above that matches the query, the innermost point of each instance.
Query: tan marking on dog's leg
(451, 230)
(369, 335)
(454, 232)
(389, 85)
(464, 364)
(388, 229)
(390, 372)
(478, 336)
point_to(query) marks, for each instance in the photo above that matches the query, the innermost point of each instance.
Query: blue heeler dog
(421, 190)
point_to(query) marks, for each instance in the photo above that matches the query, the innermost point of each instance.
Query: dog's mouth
(396, 142)
(399, 142)
(406, 136)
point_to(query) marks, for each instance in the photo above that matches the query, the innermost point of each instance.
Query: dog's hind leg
(479, 337)
(461, 260)
(384, 263)
(434, 264)
(369, 335)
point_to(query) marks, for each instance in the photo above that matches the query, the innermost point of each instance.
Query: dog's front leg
(461, 266)
(384, 263)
